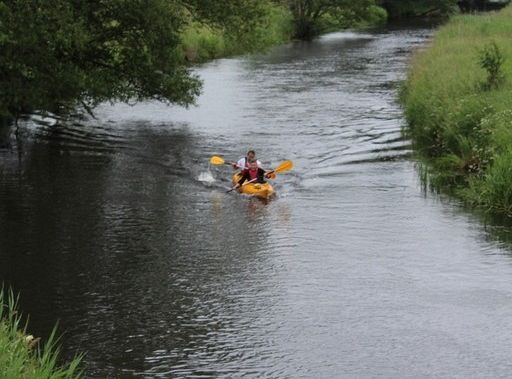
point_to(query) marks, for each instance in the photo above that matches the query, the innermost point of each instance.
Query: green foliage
(312, 17)
(376, 16)
(462, 128)
(238, 21)
(19, 357)
(238, 17)
(418, 8)
(373, 16)
(500, 125)
(491, 59)
(275, 27)
(58, 54)
(494, 190)
(202, 41)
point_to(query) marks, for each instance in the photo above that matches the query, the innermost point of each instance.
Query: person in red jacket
(253, 174)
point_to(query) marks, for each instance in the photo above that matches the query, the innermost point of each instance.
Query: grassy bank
(457, 101)
(203, 42)
(21, 357)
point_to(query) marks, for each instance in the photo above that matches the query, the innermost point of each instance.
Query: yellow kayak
(261, 190)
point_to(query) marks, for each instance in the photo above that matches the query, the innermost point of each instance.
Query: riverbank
(457, 100)
(20, 354)
(202, 42)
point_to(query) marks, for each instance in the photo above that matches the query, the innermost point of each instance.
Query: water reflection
(349, 271)
(109, 243)
(496, 229)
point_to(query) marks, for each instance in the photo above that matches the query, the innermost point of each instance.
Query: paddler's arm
(244, 177)
(238, 165)
(270, 174)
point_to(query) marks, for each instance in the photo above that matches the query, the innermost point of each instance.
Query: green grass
(459, 122)
(18, 358)
(201, 42)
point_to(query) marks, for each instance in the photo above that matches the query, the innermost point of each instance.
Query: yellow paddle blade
(285, 166)
(216, 160)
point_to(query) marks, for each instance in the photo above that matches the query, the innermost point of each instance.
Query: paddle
(285, 166)
(237, 186)
(216, 160)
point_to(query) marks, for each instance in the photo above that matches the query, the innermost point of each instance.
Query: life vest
(253, 174)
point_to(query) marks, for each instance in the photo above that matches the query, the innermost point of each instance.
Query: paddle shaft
(235, 187)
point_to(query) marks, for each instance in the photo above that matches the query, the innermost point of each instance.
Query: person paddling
(243, 163)
(253, 174)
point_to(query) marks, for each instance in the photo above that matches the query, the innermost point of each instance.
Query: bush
(201, 42)
(491, 59)
(459, 116)
(494, 190)
(376, 16)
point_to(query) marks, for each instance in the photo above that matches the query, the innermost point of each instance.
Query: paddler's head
(251, 154)
(253, 164)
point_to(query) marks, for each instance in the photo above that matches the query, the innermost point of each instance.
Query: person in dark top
(253, 174)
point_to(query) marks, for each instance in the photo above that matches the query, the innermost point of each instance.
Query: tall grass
(20, 356)
(203, 42)
(457, 100)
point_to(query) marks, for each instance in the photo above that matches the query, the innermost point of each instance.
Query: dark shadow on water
(497, 228)
(111, 236)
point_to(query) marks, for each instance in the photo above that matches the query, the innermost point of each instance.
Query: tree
(308, 13)
(57, 54)
(418, 8)
(60, 54)
(238, 18)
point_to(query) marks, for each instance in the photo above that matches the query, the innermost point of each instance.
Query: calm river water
(118, 229)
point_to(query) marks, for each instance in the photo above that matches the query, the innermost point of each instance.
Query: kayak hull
(260, 190)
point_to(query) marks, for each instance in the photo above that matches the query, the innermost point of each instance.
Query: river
(119, 229)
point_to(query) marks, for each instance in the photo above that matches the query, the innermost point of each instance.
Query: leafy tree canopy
(308, 14)
(60, 54)
(238, 18)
